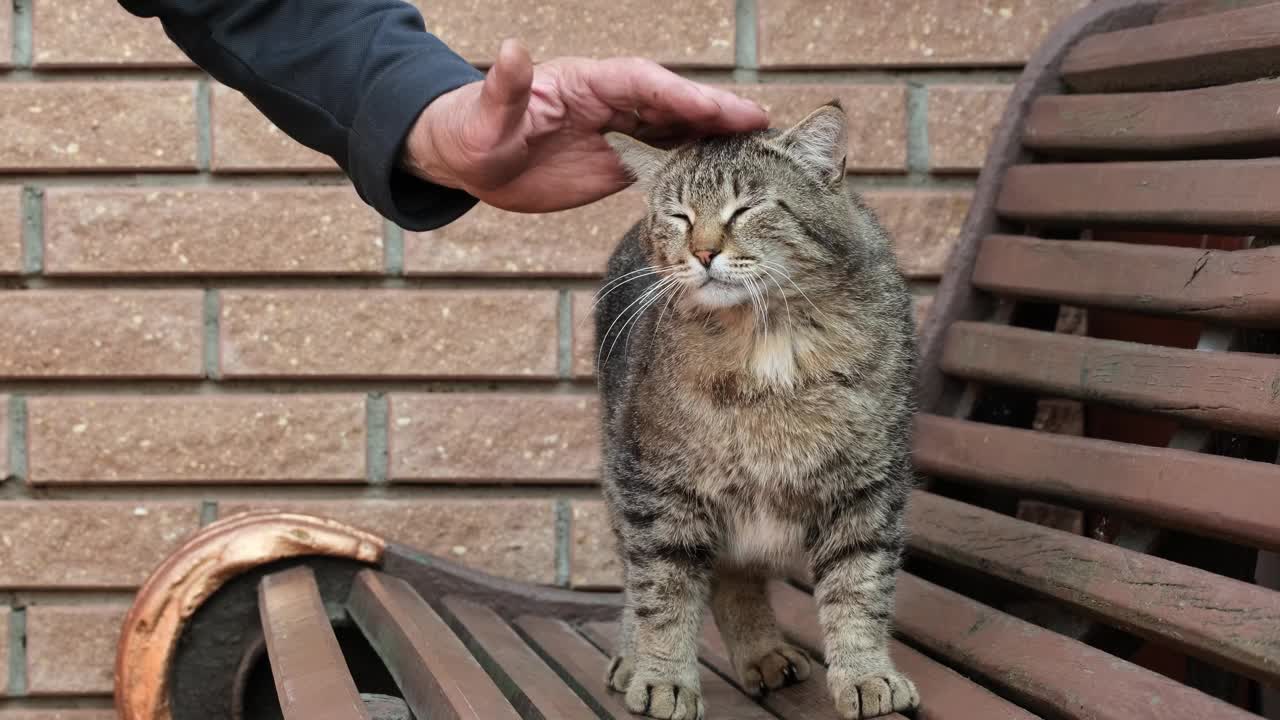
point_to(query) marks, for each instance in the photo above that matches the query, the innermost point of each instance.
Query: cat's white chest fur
(757, 537)
(773, 358)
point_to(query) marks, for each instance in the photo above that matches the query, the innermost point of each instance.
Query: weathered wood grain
(1170, 488)
(1183, 9)
(1047, 672)
(533, 688)
(1212, 49)
(437, 674)
(1197, 195)
(1238, 391)
(1235, 287)
(576, 659)
(1207, 615)
(311, 676)
(1221, 121)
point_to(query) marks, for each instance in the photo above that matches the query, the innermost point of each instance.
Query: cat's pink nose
(705, 257)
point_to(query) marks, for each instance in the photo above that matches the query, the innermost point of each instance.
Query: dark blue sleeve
(345, 77)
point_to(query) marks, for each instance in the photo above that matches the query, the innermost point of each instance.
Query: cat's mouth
(715, 292)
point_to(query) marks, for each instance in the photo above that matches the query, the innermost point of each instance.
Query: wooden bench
(1116, 269)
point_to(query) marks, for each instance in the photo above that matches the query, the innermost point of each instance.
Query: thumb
(504, 96)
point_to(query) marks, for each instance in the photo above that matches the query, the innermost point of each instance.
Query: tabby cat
(756, 359)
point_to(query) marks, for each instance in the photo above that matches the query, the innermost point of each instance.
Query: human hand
(528, 137)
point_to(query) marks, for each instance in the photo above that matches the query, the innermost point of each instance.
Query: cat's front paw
(618, 675)
(783, 665)
(868, 696)
(664, 700)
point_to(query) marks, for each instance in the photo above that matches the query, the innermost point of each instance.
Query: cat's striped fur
(756, 419)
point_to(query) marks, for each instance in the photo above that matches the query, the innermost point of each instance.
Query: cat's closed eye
(739, 213)
(682, 218)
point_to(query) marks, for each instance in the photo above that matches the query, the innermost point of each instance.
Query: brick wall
(198, 316)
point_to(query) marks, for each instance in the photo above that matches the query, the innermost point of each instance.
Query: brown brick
(88, 33)
(594, 562)
(487, 241)
(58, 714)
(10, 230)
(359, 333)
(141, 231)
(509, 538)
(491, 437)
(197, 439)
(962, 120)
(244, 140)
(71, 649)
(4, 438)
(4, 653)
(60, 544)
(6, 35)
(692, 34)
(98, 126)
(877, 117)
(100, 333)
(924, 224)
(804, 33)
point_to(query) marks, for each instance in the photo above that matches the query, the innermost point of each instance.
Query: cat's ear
(641, 161)
(820, 142)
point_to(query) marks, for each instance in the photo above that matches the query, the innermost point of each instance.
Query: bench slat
(1238, 287)
(1213, 49)
(1229, 119)
(1208, 195)
(311, 675)
(945, 694)
(437, 674)
(532, 687)
(1182, 9)
(1237, 391)
(1164, 486)
(1207, 615)
(722, 700)
(809, 700)
(1048, 672)
(577, 659)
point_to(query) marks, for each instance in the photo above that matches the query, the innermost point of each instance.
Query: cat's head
(729, 216)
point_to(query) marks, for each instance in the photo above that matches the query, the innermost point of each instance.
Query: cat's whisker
(755, 308)
(620, 317)
(758, 302)
(786, 276)
(764, 300)
(635, 319)
(786, 303)
(591, 310)
(652, 295)
(642, 271)
(679, 291)
(763, 292)
(613, 285)
(643, 296)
